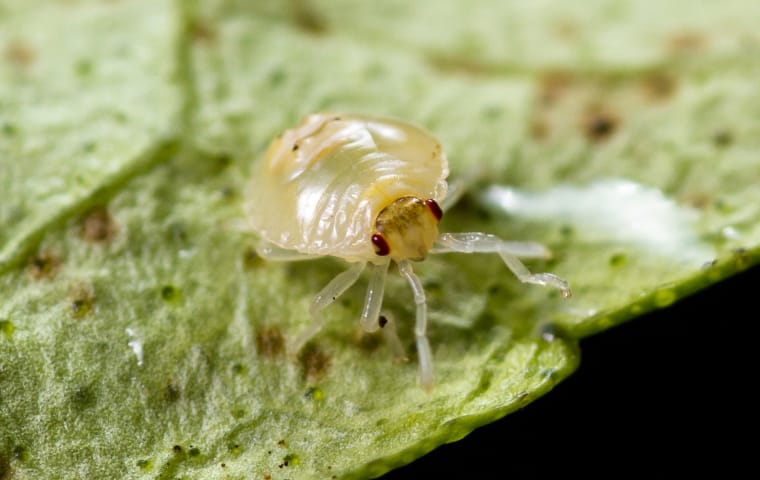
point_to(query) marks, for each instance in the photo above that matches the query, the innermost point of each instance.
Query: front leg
(325, 297)
(476, 242)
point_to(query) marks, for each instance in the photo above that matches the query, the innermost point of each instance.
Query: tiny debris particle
(177, 449)
(599, 125)
(97, 225)
(282, 443)
(44, 265)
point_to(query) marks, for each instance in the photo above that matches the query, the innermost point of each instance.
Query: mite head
(407, 228)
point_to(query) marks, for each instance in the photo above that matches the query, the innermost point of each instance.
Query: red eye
(434, 208)
(381, 246)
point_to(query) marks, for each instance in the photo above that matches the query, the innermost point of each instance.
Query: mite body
(368, 190)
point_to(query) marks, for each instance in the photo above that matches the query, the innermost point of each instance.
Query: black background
(671, 392)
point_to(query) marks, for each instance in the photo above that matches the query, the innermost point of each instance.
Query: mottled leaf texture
(141, 336)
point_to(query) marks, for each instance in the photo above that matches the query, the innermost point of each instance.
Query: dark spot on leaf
(194, 451)
(144, 464)
(282, 443)
(267, 476)
(9, 129)
(269, 342)
(19, 53)
(315, 393)
(44, 265)
(382, 321)
(251, 258)
(83, 397)
(6, 328)
(617, 259)
(5, 468)
(295, 147)
(315, 362)
(20, 453)
(307, 18)
(176, 449)
(81, 300)
(742, 258)
(233, 448)
(223, 465)
(658, 86)
(83, 67)
(202, 30)
(290, 459)
(277, 77)
(368, 342)
(599, 125)
(723, 138)
(169, 293)
(238, 369)
(173, 392)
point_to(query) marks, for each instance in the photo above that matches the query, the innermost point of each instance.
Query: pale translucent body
(323, 183)
(319, 192)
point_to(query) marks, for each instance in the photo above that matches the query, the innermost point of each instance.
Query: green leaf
(140, 336)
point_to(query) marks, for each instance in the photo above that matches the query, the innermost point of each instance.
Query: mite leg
(508, 251)
(420, 325)
(325, 297)
(273, 253)
(374, 298)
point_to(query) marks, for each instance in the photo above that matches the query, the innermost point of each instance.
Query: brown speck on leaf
(202, 30)
(268, 476)
(307, 18)
(698, 199)
(658, 86)
(172, 392)
(315, 362)
(553, 85)
(539, 129)
(44, 265)
(282, 443)
(176, 449)
(5, 468)
(687, 42)
(270, 342)
(460, 65)
(599, 124)
(81, 299)
(98, 226)
(19, 53)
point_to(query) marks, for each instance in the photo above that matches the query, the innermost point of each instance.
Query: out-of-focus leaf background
(140, 336)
